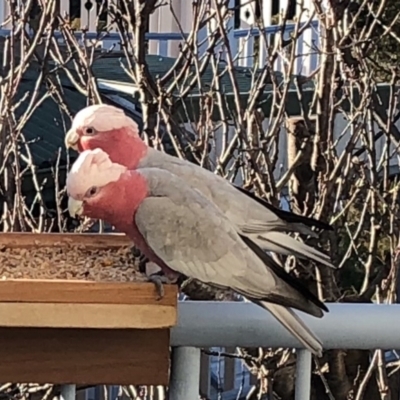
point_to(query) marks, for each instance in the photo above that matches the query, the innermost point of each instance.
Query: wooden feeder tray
(85, 332)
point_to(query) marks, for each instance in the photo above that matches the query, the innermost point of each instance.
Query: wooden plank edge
(89, 240)
(80, 291)
(86, 316)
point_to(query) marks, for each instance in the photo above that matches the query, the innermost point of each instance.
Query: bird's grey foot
(158, 279)
(135, 251)
(141, 259)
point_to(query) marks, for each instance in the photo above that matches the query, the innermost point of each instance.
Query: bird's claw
(142, 260)
(148, 268)
(135, 252)
(158, 281)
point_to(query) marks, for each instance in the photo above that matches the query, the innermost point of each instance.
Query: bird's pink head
(108, 128)
(95, 186)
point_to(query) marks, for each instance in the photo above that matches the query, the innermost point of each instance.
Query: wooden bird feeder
(61, 324)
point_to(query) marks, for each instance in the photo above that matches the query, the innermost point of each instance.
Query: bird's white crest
(103, 118)
(92, 168)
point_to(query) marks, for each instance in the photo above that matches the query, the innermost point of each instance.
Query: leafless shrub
(325, 142)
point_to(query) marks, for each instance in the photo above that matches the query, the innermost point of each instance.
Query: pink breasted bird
(108, 128)
(183, 232)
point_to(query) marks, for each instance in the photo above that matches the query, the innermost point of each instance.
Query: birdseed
(70, 262)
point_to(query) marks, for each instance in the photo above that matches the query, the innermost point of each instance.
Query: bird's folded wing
(286, 216)
(254, 226)
(198, 243)
(193, 238)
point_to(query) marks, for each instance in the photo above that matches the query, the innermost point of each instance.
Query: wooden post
(302, 185)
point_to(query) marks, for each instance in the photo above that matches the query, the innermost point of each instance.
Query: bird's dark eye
(89, 130)
(92, 191)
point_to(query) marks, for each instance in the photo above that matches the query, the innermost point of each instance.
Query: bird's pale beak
(75, 207)
(72, 139)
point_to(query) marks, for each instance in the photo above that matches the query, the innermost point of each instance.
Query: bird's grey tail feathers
(282, 243)
(289, 290)
(292, 322)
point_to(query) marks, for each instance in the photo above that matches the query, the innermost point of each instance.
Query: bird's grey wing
(204, 246)
(194, 240)
(193, 237)
(247, 214)
(238, 207)
(287, 216)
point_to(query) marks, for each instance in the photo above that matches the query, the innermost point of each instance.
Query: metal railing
(246, 49)
(243, 46)
(237, 324)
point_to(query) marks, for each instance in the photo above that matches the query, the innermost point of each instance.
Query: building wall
(342, 133)
(179, 18)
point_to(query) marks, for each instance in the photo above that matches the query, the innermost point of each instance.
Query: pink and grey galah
(183, 232)
(110, 129)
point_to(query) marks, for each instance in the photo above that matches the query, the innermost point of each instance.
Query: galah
(183, 232)
(108, 128)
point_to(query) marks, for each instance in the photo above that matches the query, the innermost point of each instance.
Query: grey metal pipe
(68, 392)
(303, 376)
(185, 374)
(231, 324)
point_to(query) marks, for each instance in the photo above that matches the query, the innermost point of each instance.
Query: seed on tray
(69, 262)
